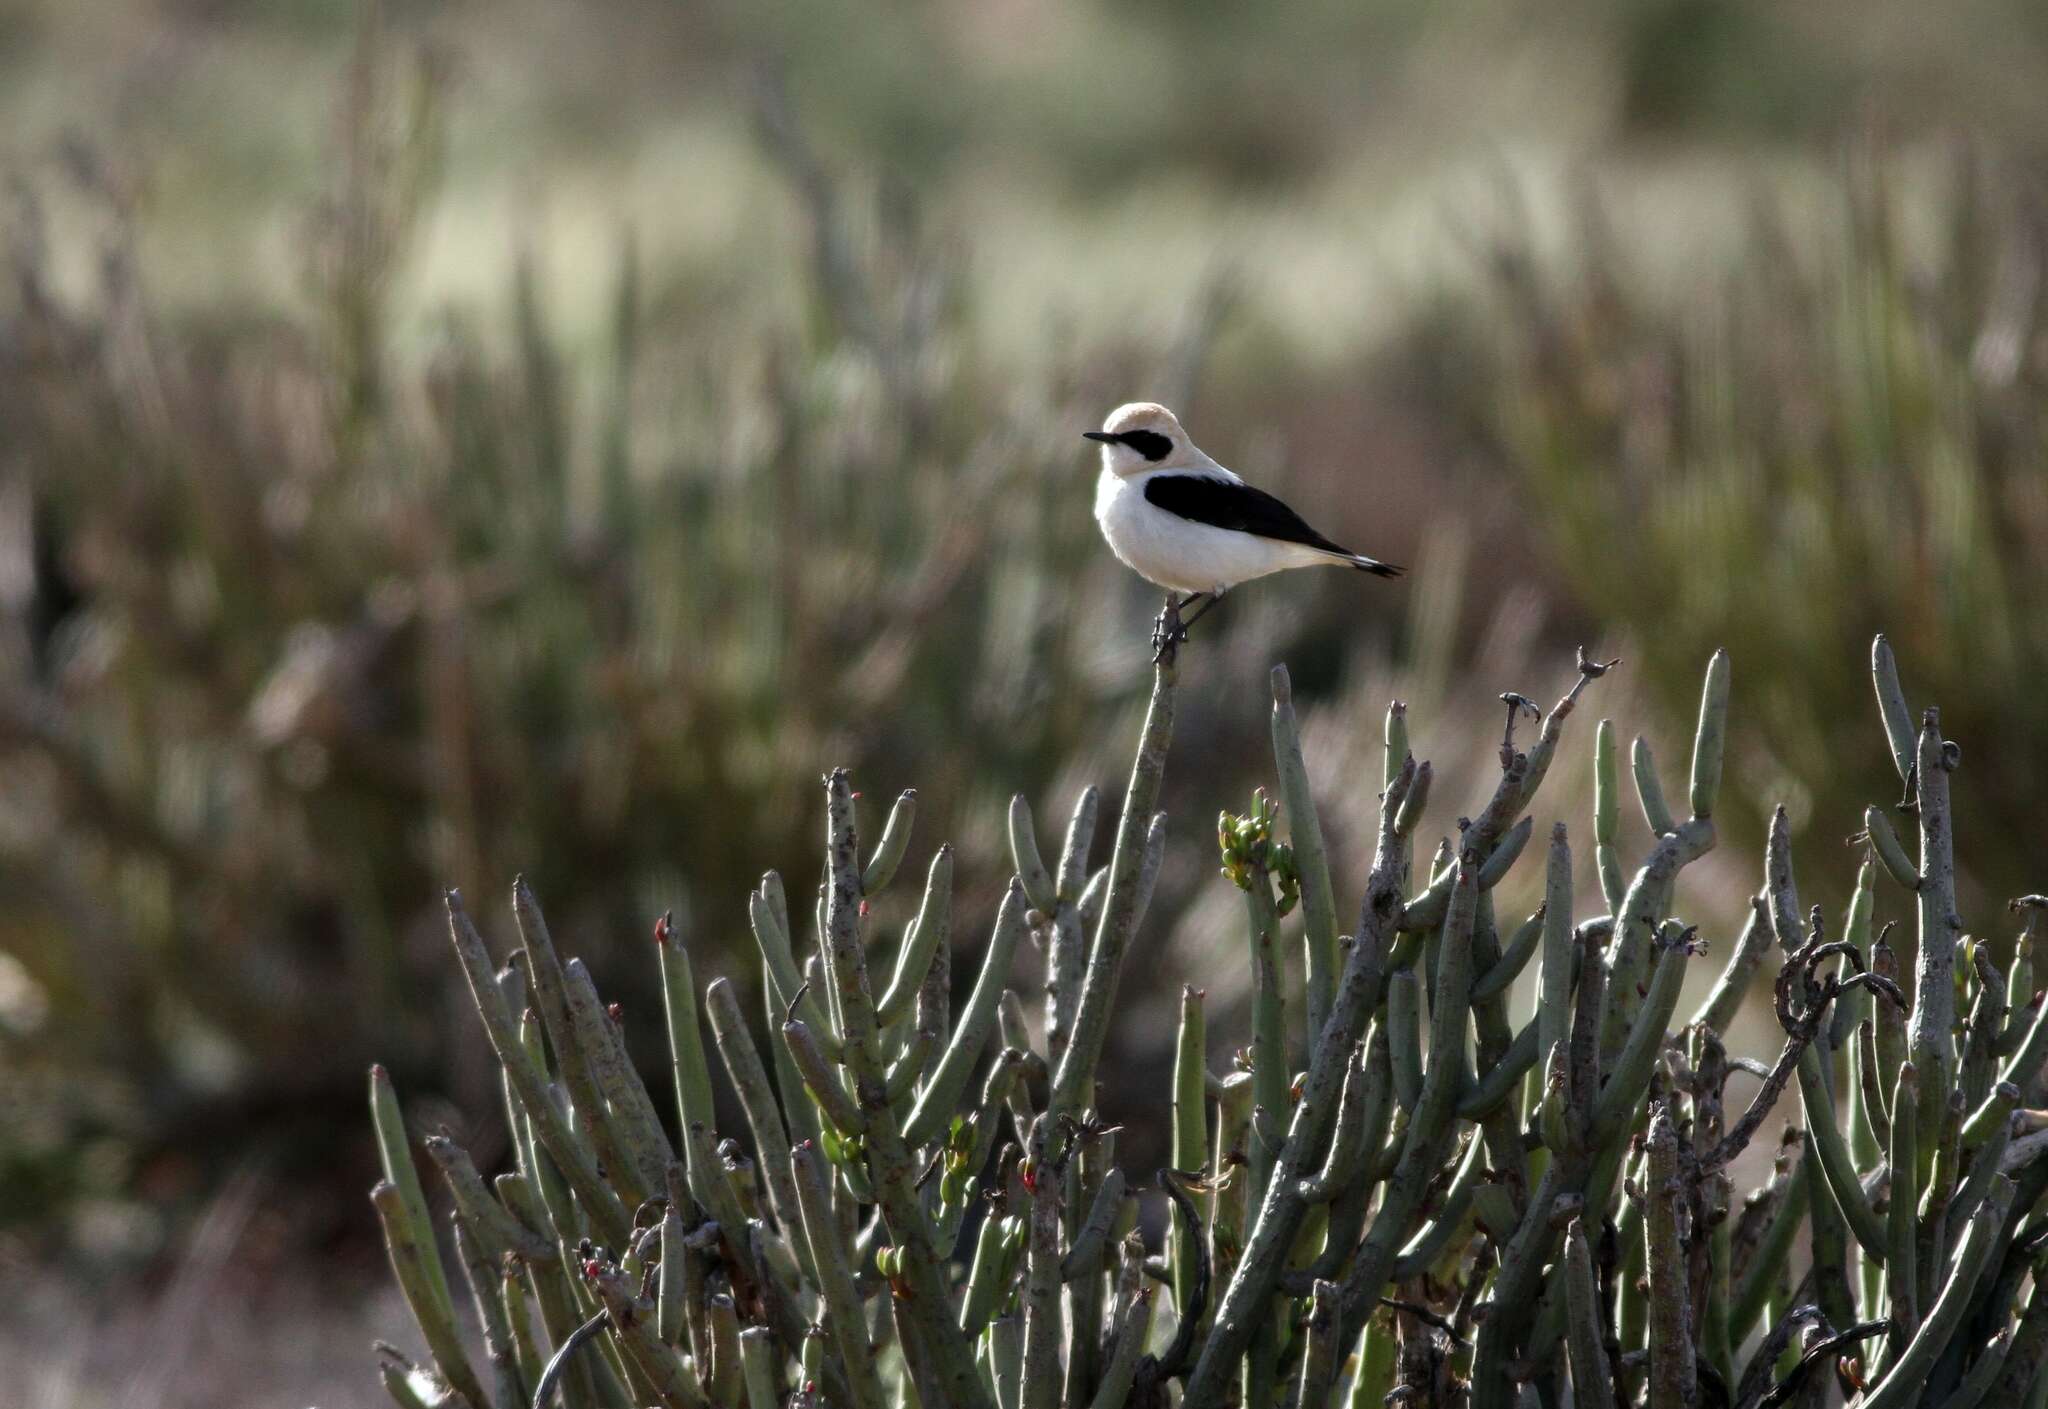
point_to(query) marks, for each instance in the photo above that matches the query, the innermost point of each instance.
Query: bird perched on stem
(1182, 521)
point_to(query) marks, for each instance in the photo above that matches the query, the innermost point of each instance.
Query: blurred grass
(1840, 430)
(460, 442)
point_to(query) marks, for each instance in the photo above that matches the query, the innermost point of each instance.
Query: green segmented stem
(572, 1061)
(1190, 1134)
(1374, 1375)
(1767, 1261)
(844, 1316)
(1984, 1167)
(1649, 791)
(1271, 1073)
(397, 1376)
(672, 1378)
(1983, 1373)
(1031, 872)
(1067, 964)
(930, 932)
(1514, 957)
(1084, 1254)
(1503, 857)
(1501, 1078)
(1311, 859)
(726, 1377)
(2025, 1065)
(1885, 842)
(490, 1223)
(1006, 1359)
(507, 1382)
(394, 1149)
(519, 1319)
(671, 1302)
(941, 1094)
(1136, 1324)
(1553, 1001)
(888, 854)
(1430, 1126)
(1412, 808)
(569, 1153)
(1607, 814)
(742, 1063)
(1709, 736)
(1317, 1381)
(636, 1132)
(1891, 706)
(1929, 1025)
(1904, 1382)
(409, 1266)
(1631, 1070)
(768, 913)
(987, 1277)
(1346, 1158)
(1718, 1009)
(757, 1365)
(1042, 1377)
(1073, 1084)
(1837, 1168)
(1992, 1117)
(1404, 1036)
(1280, 1217)
(1672, 1371)
(820, 1080)
(1452, 1218)
(1591, 1377)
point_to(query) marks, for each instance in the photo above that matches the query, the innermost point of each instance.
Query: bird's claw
(1167, 633)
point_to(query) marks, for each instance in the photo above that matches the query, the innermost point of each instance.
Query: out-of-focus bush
(303, 623)
(301, 628)
(1842, 430)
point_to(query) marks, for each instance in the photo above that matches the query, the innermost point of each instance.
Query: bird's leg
(1169, 630)
(1207, 599)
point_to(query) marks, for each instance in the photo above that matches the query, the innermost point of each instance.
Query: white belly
(1180, 554)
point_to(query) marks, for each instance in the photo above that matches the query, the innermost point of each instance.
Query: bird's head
(1144, 435)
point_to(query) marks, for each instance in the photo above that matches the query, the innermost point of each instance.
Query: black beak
(1104, 436)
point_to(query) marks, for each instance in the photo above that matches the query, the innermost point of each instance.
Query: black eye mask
(1151, 444)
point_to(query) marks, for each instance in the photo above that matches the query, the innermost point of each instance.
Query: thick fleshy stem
(1906, 1379)
(1672, 1365)
(1592, 1377)
(436, 1322)
(1115, 1388)
(1311, 859)
(1934, 995)
(844, 1316)
(888, 1160)
(1280, 1216)
(394, 1148)
(1190, 1134)
(1073, 1087)
(940, 1096)
(570, 1154)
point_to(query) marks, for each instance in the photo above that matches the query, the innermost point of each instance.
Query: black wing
(1221, 503)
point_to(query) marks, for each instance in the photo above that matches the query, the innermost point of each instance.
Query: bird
(1183, 522)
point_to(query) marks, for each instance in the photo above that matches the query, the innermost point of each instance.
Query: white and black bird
(1182, 521)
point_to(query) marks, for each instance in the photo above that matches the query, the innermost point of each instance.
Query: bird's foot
(1167, 633)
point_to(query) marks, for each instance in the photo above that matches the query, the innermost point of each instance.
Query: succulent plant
(1427, 1203)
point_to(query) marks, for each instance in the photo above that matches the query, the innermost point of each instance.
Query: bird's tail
(1373, 566)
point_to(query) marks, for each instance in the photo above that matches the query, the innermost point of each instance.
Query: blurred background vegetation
(439, 441)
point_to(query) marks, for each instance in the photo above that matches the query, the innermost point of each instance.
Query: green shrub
(1412, 1198)
(1845, 420)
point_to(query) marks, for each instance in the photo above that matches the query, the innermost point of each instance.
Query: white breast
(1178, 553)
